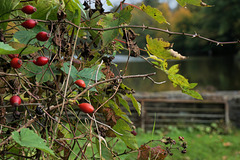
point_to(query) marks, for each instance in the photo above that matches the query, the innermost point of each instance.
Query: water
(211, 74)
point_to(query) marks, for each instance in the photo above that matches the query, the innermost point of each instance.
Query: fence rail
(163, 112)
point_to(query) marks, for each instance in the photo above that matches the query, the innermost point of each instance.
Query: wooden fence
(179, 112)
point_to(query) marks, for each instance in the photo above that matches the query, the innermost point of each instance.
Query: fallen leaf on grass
(227, 144)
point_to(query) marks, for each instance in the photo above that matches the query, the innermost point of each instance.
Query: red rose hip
(29, 9)
(16, 63)
(13, 56)
(15, 100)
(41, 61)
(86, 107)
(80, 83)
(43, 36)
(29, 24)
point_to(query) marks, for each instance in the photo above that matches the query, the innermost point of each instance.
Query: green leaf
(24, 36)
(174, 69)
(113, 20)
(135, 103)
(154, 13)
(124, 103)
(6, 7)
(5, 48)
(43, 74)
(192, 85)
(157, 47)
(109, 3)
(46, 9)
(30, 49)
(125, 15)
(90, 73)
(123, 128)
(73, 10)
(86, 74)
(118, 111)
(106, 153)
(193, 2)
(31, 69)
(27, 138)
(178, 79)
(107, 22)
(192, 93)
(73, 72)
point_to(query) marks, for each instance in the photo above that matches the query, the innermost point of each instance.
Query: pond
(211, 73)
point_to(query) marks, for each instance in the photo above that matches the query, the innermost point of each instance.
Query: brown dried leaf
(156, 153)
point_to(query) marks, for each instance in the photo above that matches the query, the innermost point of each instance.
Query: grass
(201, 145)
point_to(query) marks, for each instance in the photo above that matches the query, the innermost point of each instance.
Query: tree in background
(221, 21)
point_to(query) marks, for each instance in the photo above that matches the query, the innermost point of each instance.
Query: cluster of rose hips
(85, 107)
(16, 62)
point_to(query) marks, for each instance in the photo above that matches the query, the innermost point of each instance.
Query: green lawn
(201, 145)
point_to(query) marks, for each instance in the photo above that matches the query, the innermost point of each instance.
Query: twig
(101, 82)
(112, 79)
(98, 71)
(158, 29)
(135, 26)
(129, 50)
(108, 98)
(155, 81)
(104, 125)
(56, 120)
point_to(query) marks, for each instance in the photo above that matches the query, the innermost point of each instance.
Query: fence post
(227, 120)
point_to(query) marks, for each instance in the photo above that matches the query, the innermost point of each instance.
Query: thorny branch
(143, 27)
(79, 95)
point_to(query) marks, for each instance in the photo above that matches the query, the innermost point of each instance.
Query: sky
(172, 3)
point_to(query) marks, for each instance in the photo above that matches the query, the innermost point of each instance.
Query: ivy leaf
(193, 2)
(154, 13)
(6, 7)
(27, 138)
(135, 103)
(157, 47)
(123, 128)
(46, 9)
(73, 10)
